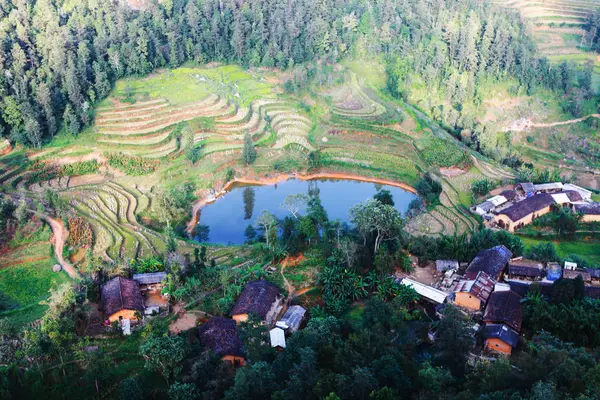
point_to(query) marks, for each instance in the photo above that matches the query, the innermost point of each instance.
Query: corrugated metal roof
(149, 278)
(561, 198)
(548, 186)
(443, 265)
(497, 200)
(293, 317)
(586, 194)
(426, 291)
(277, 336)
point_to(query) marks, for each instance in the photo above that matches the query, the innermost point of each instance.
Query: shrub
(429, 189)
(132, 165)
(482, 187)
(444, 153)
(80, 232)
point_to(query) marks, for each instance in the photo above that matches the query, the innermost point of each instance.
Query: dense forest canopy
(60, 57)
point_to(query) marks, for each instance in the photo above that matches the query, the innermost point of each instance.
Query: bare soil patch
(452, 171)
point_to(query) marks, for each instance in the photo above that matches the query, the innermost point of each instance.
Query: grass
(24, 286)
(588, 247)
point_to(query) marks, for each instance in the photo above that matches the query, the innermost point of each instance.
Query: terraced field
(557, 27)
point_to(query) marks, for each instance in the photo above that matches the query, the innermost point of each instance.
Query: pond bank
(201, 202)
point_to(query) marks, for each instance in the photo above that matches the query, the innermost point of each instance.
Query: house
(524, 212)
(428, 293)
(484, 207)
(500, 338)
(504, 308)
(292, 319)
(473, 294)
(121, 299)
(444, 265)
(526, 188)
(277, 336)
(570, 265)
(594, 273)
(574, 273)
(258, 297)
(522, 287)
(593, 292)
(219, 334)
(548, 187)
(509, 194)
(590, 211)
(491, 261)
(153, 278)
(522, 268)
(586, 195)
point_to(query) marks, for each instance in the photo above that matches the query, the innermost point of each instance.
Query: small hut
(219, 334)
(121, 299)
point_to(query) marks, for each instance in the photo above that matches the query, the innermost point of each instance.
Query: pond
(225, 220)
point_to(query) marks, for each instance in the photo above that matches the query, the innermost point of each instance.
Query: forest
(60, 57)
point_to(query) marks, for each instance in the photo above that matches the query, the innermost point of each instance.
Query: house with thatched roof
(504, 308)
(121, 299)
(491, 261)
(219, 334)
(262, 298)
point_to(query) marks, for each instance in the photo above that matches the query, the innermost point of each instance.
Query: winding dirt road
(526, 123)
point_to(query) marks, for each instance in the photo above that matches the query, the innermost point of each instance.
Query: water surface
(228, 217)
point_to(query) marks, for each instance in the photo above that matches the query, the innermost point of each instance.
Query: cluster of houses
(491, 289)
(125, 300)
(513, 209)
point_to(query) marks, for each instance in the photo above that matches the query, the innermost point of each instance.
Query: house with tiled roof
(473, 294)
(220, 335)
(262, 298)
(491, 261)
(121, 299)
(590, 211)
(504, 308)
(522, 268)
(500, 338)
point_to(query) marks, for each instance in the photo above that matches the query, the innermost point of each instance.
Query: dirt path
(185, 320)
(524, 124)
(60, 235)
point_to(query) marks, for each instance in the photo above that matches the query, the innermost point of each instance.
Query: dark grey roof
(491, 261)
(121, 294)
(594, 272)
(528, 206)
(486, 206)
(149, 278)
(508, 194)
(257, 298)
(522, 288)
(220, 335)
(592, 292)
(502, 332)
(524, 267)
(588, 208)
(572, 274)
(504, 307)
(527, 187)
(442, 265)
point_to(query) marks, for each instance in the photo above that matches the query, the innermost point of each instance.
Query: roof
(277, 336)
(121, 294)
(491, 261)
(548, 186)
(293, 317)
(561, 198)
(442, 265)
(430, 293)
(150, 278)
(219, 334)
(502, 332)
(486, 206)
(594, 272)
(582, 191)
(497, 200)
(522, 287)
(527, 187)
(592, 292)
(257, 298)
(504, 307)
(524, 267)
(588, 208)
(572, 274)
(528, 206)
(508, 194)
(481, 287)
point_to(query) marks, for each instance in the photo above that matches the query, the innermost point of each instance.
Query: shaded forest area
(60, 57)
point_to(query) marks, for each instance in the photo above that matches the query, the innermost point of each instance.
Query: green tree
(164, 355)
(249, 152)
(544, 252)
(381, 221)
(454, 340)
(183, 391)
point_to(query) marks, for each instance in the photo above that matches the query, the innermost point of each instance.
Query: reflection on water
(225, 220)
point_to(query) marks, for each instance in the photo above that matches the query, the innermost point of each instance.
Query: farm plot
(352, 101)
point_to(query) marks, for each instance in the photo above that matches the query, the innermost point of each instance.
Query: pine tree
(249, 150)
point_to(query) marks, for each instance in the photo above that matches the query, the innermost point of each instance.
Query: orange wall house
(590, 218)
(235, 360)
(505, 222)
(498, 345)
(122, 314)
(238, 318)
(467, 300)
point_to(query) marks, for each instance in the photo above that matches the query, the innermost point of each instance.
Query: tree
(385, 197)
(294, 203)
(255, 381)
(183, 391)
(267, 222)
(544, 252)
(482, 187)
(130, 389)
(249, 152)
(164, 355)
(454, 340)
(382, 221)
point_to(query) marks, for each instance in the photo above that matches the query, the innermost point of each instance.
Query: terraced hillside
(557, 27)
